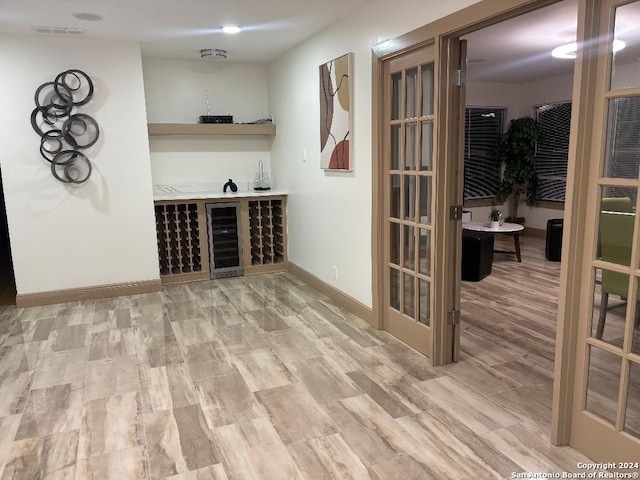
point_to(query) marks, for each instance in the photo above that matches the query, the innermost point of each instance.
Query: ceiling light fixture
(231, 29)
(89, 17)
(213, 54)
(570, 50)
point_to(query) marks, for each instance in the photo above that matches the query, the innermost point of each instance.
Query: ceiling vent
(43, 30)
(213, 54)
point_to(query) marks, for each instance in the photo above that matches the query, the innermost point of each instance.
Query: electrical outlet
(335, 272)
(304, 154)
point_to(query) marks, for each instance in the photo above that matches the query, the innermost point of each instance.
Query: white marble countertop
(208, 190)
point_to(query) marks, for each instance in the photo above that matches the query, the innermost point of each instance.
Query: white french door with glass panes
(606, 400)
(409, 196)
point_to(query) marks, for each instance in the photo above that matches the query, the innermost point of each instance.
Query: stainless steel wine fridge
(225, 247)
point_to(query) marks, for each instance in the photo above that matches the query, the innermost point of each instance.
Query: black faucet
(231, 185)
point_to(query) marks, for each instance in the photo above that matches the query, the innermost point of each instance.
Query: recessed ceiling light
(569, 50)
(231, 29)
(89, 17)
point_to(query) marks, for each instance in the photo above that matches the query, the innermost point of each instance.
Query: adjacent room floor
(262, 377)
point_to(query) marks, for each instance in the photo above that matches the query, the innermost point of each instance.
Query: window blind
(623, 145)
(483, 129)
(552, 149)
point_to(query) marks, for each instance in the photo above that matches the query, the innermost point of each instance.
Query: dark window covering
(552, 150)
(483, 128)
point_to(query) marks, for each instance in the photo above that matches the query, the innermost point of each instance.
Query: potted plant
(519, 177)
(494, 218)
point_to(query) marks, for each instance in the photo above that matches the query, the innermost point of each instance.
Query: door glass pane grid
(411, 246)
(409, 197)
(634, 317)
(425, 199)
(410, 142)
(408, 290)
(411, 191)
(427, 72)
(610, 307)
(622, 154)
(396, 147)
(616, 220)
(632, 410)
(394, 288)
(395, 195)
(426, 146)
(396, 95)
(626, 62)
(424, 252)
(416, 298)
(411, 89)
(394, 243)
(409, 239)
(603, 383)
(424, 302)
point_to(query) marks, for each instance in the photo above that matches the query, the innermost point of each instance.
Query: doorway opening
(7, 279)
(509, 308)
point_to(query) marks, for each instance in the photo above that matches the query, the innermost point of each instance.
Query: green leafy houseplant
(494, 215)
(517, 152)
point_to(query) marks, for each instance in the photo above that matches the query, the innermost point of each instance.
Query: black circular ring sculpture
(61, 83)
(52, 137)
(76, 126)
(75, 166)
(63, 133)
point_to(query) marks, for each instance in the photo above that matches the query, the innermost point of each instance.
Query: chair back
(616, 234)
(616, 204)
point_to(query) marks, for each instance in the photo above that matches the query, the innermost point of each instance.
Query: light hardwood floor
(264, 378)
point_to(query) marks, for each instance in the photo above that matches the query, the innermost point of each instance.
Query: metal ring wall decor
(63, 133)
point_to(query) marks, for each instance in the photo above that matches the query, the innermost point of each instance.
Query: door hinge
(459, 78)
(455, 212)
(454, 317)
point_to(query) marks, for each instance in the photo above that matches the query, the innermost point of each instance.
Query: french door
(605, 421)
(417, 287)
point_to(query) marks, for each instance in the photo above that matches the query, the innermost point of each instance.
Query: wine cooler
(225, 251)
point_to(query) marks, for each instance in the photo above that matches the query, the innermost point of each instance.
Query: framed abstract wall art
(336, 113)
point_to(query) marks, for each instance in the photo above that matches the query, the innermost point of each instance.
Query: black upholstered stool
(553, 248)
(477, 255)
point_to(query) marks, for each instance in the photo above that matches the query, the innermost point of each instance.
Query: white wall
(329, 214)
(520, 100)
(104, 231)
(555, 89)
(626, 76)
(488, 94)
(175, 89)
(176, 92)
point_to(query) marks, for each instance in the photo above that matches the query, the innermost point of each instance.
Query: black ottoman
(477, 255)
(553, 248)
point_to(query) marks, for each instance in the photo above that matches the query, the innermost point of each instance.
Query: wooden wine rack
(267, 232)
(182, 249)
(183, 246)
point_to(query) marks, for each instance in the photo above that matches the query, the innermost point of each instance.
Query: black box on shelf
(216, 118)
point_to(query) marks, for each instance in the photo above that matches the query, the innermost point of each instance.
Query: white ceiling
(181, 28)
(514, 51)
(519, 50)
